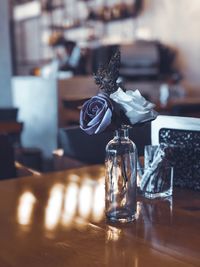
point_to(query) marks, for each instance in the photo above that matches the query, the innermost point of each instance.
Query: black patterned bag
(183, 151)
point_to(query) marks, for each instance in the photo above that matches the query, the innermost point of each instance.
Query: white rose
(136, 107)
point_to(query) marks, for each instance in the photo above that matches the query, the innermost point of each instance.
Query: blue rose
(96, 114)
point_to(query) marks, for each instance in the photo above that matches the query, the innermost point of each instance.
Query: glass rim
(163, 167)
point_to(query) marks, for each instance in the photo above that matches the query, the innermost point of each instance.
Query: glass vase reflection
(120, 184)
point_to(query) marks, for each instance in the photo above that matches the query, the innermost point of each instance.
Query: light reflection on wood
(70, 204)
(25, 208)
(113, 233)
(98, 201)
(85, 199)
(159, 237)
(54, 207)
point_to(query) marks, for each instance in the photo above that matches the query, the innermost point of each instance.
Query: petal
(105, 122)
(141, 116)
(140, 99)
(120, 96)
(91, 129)
(98, 117)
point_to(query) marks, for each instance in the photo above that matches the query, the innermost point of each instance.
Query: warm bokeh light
(25, 208)
(74, 204)
(70, 204)
(85, 199)
(29, 170)
(54, 207)
(58, 152)
(74, 178)
(98, 201)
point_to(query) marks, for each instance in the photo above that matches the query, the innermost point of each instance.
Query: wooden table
(12, 127)
(57, 220)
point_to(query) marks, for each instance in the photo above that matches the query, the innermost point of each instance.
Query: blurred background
(49, 50)
(95, 23)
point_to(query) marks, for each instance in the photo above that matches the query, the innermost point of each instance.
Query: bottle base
(120, 216)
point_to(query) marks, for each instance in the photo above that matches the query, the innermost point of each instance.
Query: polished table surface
(12, 127)
(57, 220)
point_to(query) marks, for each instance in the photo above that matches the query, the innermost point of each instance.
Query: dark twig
(106, 76)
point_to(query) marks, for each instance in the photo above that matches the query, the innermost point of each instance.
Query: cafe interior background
(160, 55)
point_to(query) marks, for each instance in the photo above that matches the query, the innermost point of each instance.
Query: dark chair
(8, 114)
(9, 124)
(91, 149)
(7, 166)
(80, 146)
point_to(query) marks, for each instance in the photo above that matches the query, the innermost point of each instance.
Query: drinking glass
(155, 183)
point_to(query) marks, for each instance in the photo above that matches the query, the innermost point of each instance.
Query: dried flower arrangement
(113, 106)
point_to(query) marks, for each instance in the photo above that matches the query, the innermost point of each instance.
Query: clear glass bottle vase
(120, 184)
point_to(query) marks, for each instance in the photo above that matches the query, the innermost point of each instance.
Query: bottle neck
(121, 133)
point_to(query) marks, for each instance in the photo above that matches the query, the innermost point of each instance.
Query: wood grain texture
(57, 220)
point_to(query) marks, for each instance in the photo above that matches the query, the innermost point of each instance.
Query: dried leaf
(106, 76)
